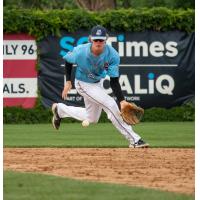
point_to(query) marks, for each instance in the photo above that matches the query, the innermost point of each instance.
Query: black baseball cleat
(56, 119)
(139, 144)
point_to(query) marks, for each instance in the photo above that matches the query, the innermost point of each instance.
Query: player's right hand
(67, 88)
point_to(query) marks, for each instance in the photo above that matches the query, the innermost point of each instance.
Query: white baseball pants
(96, 99)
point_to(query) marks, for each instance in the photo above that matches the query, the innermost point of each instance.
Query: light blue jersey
(92, 68)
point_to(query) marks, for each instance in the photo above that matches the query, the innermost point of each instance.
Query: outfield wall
(156, 48)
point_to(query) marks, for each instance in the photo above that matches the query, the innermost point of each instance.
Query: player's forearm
(114, 83)
(68, 71)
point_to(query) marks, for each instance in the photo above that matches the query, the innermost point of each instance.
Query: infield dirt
(162, 168)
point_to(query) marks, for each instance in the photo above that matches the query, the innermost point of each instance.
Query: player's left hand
(123, 104)
(131, 113)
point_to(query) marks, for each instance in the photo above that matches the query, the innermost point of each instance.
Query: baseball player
(94, 61)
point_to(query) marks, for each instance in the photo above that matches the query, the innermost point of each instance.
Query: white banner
(19, 50)
(19, 87)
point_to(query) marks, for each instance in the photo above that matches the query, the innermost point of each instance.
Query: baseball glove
(132, 114)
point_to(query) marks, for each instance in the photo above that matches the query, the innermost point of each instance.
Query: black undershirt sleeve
(114, 83)
(68, 70)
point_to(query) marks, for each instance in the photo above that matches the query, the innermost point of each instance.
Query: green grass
(157, 134)
(27, 186)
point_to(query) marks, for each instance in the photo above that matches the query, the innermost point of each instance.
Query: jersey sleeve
(71, 56)
(113, 68)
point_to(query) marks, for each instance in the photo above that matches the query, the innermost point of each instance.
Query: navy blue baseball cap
(98, 32)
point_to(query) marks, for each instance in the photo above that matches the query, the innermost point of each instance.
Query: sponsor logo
(142, 48)
(19, 87)
(19, 49)
(163, 84)
(19, 72)
(127, 48)
(149, 84)
(106, 66)
(98, 32)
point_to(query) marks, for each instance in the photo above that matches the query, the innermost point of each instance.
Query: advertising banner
(19, 70)
(157, 68)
